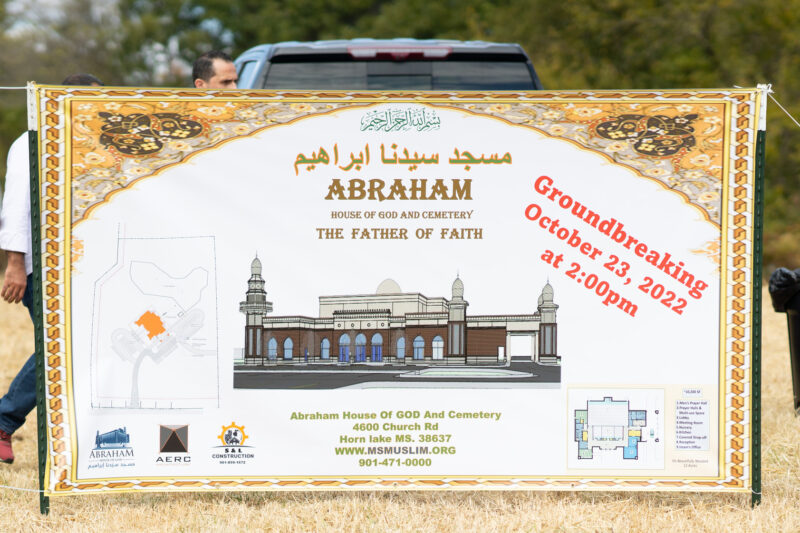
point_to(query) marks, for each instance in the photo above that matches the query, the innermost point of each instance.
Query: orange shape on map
(152, 323)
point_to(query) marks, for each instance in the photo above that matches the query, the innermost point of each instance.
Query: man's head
(82, 79)
(214, 70)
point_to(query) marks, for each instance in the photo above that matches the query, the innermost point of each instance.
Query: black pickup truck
(387, 64)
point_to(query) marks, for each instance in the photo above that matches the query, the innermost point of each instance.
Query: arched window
(438, 347)
(377, 348)
(287, 348)
(401, 348)
(361, 348)
(325, 349)
(344, 348)
(419, 348)
(272, 348)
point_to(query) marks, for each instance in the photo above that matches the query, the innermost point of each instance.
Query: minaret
(457, 322)
(548, 332)
(255, 307)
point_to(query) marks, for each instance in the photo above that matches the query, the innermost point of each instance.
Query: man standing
(214, 70)
(15, 239)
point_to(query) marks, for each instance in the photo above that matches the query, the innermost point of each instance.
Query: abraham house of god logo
(112, 449)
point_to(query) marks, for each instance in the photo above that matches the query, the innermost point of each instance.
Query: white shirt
(15, 213)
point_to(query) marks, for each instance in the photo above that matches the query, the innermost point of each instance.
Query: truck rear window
(246, 73)
(406, 75)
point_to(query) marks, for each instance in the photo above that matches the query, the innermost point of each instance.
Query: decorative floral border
(587, 118)
(119, 142)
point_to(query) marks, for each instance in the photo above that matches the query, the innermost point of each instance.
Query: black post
(41, 407)
(793, 323)
(758, 228)
(784, 289)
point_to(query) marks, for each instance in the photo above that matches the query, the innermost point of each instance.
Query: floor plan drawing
(609, 424)
(616, 428)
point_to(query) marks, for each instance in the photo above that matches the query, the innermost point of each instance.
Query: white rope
(785, 111)
(20, 489)
(770, 93)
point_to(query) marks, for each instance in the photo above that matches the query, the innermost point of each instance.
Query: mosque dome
(388, 286)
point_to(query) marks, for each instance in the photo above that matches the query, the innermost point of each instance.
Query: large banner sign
(307, 290)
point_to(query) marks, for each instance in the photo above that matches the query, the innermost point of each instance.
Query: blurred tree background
(574, 44)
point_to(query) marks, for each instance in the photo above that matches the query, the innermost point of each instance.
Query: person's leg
(21, 396)
(27, 298)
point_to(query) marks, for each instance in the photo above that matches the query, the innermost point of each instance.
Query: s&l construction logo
(112, 449)
(173, 445)
(232, 450)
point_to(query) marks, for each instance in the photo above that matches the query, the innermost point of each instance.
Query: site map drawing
(155, 315)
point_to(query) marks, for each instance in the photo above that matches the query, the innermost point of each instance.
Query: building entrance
(377, 348)
(361, 348)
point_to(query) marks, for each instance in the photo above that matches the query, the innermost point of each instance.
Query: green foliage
(622, 44)
(46, 50)
(170, 29)
(574, 44)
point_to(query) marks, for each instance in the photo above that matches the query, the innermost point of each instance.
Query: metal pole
(758, 227)
(41, 408)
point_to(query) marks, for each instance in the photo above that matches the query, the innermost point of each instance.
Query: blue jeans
(21, 396)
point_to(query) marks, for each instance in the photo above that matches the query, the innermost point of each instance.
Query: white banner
(284, 291)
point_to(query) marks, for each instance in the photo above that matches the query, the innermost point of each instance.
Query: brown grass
(419, 511)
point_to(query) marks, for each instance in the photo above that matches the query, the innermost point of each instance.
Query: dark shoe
(6, 453)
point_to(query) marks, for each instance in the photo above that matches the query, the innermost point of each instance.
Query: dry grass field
(419, 511)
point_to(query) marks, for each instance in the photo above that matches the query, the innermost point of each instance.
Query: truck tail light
(398, 53)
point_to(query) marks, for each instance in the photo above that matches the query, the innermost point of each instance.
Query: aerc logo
(173, 445)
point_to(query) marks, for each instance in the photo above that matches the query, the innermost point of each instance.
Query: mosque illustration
(392, 327)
